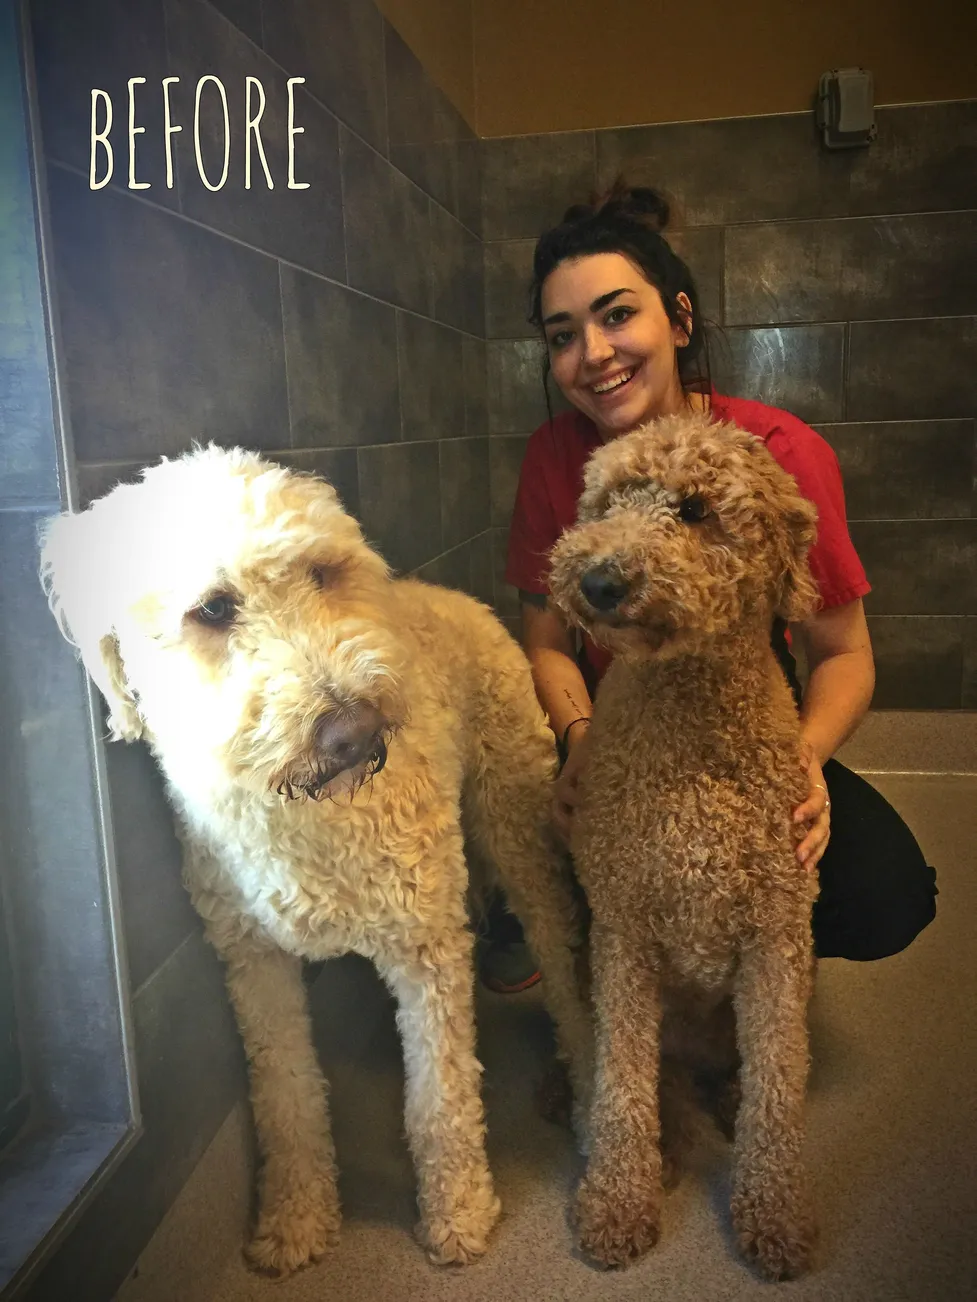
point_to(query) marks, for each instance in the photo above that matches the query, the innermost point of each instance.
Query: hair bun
(636, 203)
(632, 202)
(651, 205)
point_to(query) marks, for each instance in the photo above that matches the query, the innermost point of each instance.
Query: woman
(625, 344)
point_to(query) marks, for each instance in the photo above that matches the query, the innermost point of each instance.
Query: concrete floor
(892, 1131)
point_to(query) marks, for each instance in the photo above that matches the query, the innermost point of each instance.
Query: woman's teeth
(616, 383)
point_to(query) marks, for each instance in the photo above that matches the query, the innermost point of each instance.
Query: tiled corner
(923, 159)
(388, 229)
(797, 368)
(528, 182)
(483, 577)
(339, 49)
(95, 479)
(464, 489)
(508, 271)
(516, 399)
(476, 394)
(730, 169)
(506, 597)
(855, 269)
(506, 456)
(918, 567)
(171, 333)
(156, 909)
(452, 569)
(469, 153)
(245, 15)
(431, 379)
(457, 275)
(913, 370)
(304, 226)
(400, 502)
(428, 136)
(102, 43)
(906, 470)
(341, 356)
(918, 662)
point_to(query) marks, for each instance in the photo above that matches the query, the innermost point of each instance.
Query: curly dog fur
(690, 540)
(328, 736)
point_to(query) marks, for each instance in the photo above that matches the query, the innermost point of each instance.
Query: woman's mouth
(607, 388)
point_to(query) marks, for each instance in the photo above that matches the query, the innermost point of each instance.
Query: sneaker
(508, 968)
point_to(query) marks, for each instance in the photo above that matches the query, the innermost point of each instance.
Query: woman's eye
(560, 339)
(693, 510)
(618, 315)
(216, 610)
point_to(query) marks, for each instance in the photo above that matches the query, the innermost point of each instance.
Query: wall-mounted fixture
(845, 108)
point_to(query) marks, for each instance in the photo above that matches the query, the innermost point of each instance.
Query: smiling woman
(626, 345)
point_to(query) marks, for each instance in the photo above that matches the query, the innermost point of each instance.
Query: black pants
(877, 891)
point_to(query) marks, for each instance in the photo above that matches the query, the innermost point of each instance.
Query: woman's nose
(596, 346)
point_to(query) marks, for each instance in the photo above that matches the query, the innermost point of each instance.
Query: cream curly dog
(323, 729)
(690, 539)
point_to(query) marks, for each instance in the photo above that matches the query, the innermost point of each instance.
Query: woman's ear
(682, 332)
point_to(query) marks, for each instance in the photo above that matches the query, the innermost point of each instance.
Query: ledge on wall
(914, 741)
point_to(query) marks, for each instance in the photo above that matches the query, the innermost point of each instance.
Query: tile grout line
(264, 253)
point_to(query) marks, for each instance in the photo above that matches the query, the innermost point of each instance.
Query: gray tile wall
(337, 328)
(845, 286)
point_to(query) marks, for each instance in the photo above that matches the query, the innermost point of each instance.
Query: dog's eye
(217, 610)
(693, 510)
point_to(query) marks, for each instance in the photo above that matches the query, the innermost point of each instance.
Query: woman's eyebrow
(595, 306)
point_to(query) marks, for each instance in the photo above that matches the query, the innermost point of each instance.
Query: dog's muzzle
(604, 587)
(350, 736)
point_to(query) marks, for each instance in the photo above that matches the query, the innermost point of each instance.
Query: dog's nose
(604, 587)
(348, 736)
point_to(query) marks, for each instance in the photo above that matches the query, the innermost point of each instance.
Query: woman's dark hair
(630, 221)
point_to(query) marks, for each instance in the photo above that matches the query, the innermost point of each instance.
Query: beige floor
(892, 1139)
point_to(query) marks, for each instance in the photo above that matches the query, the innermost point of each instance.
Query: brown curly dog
(690, 541)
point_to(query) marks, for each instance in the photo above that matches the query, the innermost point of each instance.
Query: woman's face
(611, 346)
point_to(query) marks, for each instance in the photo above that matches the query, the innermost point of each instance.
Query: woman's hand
(816, 810)
(566, 791)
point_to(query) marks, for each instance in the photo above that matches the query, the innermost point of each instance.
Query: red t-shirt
(551, 481)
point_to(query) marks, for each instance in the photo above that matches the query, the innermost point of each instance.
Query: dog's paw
(462, 1237)
(295, 1232)
(616, 1231)
(776, 1238)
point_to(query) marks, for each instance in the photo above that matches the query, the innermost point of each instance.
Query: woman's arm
(563, 695)
(841, 676)
(841, 679)
(559, 683)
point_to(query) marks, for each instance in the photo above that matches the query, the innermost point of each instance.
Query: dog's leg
(443, 1111)
(771, 1206)
(618, 1206)
(298, 1205)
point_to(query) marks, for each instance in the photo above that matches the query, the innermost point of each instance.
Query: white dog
(321, 728)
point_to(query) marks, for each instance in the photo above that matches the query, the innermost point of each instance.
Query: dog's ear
(79, 593)
(798, 595)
